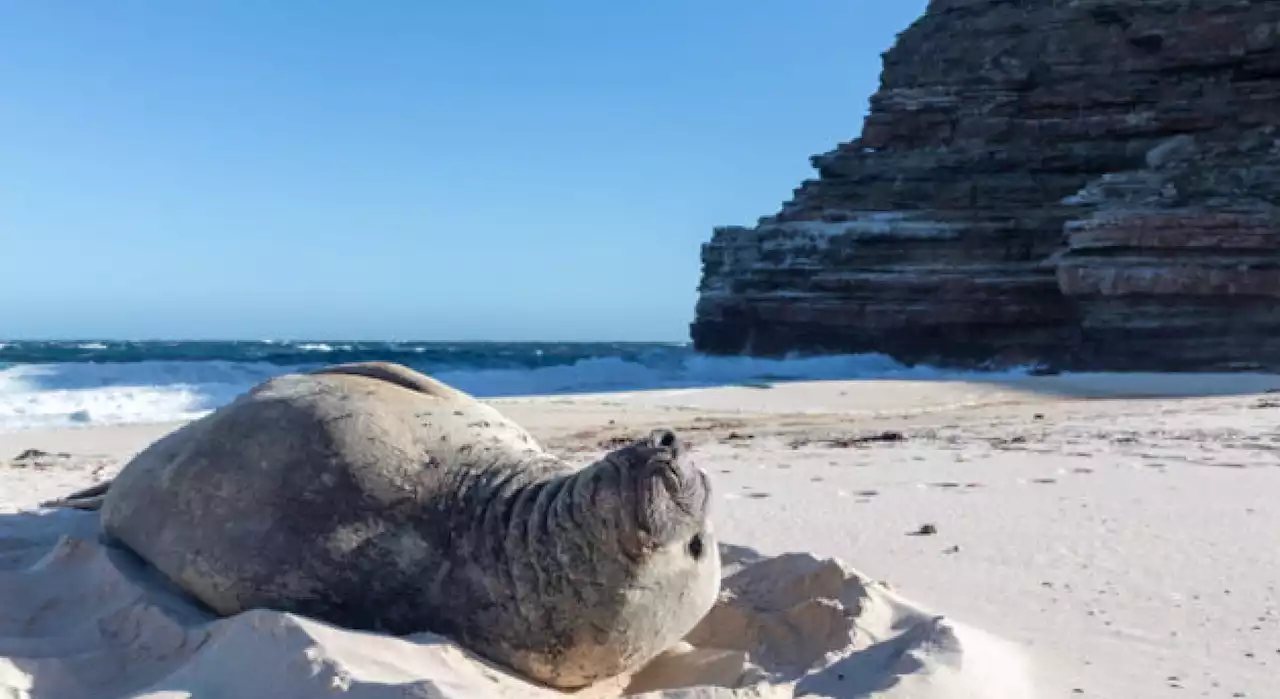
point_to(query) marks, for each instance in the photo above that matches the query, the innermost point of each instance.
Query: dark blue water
(426, 356)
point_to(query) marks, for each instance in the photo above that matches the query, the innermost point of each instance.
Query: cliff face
(1083, 183)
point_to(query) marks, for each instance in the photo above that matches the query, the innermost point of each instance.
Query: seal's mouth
(672, 480)
(704, 480)
(687, 486)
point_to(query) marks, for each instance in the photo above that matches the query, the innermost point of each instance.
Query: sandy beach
(1115, 531)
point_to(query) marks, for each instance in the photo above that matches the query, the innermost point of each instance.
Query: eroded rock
(1084, 184)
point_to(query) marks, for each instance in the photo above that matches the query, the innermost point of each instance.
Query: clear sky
(404, 169)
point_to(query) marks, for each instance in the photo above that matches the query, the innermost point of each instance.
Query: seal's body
(373, 497)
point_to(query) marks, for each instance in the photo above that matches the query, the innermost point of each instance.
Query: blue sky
(402, 169)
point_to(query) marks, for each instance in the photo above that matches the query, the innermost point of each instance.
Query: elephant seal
(373, 497)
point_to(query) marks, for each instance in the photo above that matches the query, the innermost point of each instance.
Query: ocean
(67, 383)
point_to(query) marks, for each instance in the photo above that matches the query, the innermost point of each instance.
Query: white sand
(1097, 536)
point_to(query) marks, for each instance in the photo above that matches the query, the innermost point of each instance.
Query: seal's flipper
(86, 499)
(92, 504)
(91, 491)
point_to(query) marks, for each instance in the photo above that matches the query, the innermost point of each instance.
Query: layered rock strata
(1080, 183)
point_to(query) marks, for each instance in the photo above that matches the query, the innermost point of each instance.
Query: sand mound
(80, 620)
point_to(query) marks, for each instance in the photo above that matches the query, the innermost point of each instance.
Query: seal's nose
(665, 438)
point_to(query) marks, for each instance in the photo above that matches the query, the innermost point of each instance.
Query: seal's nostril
(665, 438)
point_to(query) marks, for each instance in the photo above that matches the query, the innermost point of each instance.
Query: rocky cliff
(1082, 183)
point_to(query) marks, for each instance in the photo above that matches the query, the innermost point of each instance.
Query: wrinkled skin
(374, 497)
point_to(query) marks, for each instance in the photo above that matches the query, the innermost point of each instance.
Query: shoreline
(1120, 540)
(968, 391)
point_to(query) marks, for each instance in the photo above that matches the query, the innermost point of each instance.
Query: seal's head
(654, 570)
(655, 498)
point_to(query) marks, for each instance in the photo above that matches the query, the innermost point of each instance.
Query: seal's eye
(695, 547)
